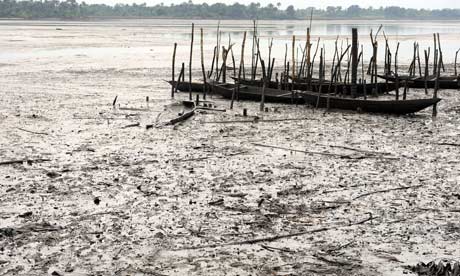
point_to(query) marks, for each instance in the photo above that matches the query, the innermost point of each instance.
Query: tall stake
(202, 65)
(308, 53)
(354, 61)
(190, 64)
(217, 50)
(293, 58)
(239, 70)
(396, 72)
(427, 60)
(436, 86)
(173, 70)
(455, 63)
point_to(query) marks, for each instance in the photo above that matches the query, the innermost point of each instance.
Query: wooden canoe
(184, 86)
(372, 106)
(339, 88)
(254, 93)
(446, 82)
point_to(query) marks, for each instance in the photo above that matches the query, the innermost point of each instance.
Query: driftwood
(34, 132)
(387, 190)
(29, 161)
(345, 156)
(257, 120)
(279, 237)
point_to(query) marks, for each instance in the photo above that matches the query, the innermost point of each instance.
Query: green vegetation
(70, 9)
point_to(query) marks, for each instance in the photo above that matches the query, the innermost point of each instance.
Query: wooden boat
(184, 86)
(446, 82)
(372, 106)
(254, 93)
(339, 88)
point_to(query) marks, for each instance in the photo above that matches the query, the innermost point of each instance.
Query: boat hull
(371, 106)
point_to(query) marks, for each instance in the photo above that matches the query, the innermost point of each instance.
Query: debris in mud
(443, 267)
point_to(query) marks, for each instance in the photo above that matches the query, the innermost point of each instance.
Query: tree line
(71, 9)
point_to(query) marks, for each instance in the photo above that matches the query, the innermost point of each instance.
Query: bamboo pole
(190, 63)
(173, 70)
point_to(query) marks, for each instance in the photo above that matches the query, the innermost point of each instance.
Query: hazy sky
(429, 4)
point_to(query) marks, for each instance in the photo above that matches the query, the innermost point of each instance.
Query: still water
(29, 40)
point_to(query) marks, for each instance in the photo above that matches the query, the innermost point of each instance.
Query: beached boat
(446, 82)
(339, 88)
(184, 86)
(254, 93)
(372, 106)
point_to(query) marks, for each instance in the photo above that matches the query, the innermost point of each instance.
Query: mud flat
(337, 193)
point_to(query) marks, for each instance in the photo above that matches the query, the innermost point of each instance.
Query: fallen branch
(306, 152)
(448, 144)
(211, 109)
(12, 162)
(277, 237)
(257, 120)
(132, 125)
(34, 132)
(386, 190)
(359, 150)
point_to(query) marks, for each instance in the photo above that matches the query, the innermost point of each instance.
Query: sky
(427, 4)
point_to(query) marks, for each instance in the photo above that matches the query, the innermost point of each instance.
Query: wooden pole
(396, 72)
(293, 58)
(183, 69)
(217, 50)
(427, 60)
(354, 61)
(436, 86)
(308, 53)
(455, 63)
(321, 69)
(253, 62)
(205, 88)
(264, 78)
(181, 75)
(239, 70)
(212, 63)
(173, 70)
(190, 64)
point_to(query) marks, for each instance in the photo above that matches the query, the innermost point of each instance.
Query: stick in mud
(396, 72)
(173, 69)
(293, 58)
(354, 61)
(205, 85)
(438, 72)
(239, 70)
(427, 65)
(190, 64)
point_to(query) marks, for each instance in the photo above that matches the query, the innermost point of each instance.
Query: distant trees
(71, 9)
